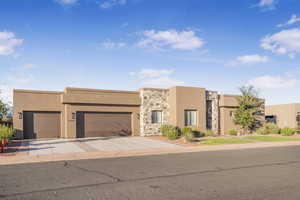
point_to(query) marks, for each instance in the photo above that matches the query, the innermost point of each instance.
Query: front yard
(244, 140)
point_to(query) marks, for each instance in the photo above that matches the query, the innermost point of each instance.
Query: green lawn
(248, 139)
(219, 141)
(273, 138)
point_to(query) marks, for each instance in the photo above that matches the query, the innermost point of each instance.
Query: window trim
(161, 116)
(186, 120)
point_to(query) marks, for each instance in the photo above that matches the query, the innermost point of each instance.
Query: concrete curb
(21, 159)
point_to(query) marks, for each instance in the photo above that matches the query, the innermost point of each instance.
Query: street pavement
(263, 173)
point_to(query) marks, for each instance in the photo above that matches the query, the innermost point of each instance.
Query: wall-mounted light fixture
(20, 114)
(73, 115)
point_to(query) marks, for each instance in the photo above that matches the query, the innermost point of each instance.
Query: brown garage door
(103, 124)
(41, 125)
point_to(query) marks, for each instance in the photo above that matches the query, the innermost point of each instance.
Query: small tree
(4, 109)
(249, 110)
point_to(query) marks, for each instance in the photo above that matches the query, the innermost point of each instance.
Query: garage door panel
(107, 124)
(41, 125)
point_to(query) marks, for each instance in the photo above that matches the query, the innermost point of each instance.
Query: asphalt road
(265, 173)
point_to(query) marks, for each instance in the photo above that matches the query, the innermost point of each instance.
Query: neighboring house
(77, 113)
(284, 115)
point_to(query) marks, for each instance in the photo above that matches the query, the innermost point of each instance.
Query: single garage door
(41, 125)
(91, 124)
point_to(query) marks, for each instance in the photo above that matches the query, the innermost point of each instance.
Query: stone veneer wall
(213, 110)
(153, 99)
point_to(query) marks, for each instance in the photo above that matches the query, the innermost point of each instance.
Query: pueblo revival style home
(284, 115)
(77, 113)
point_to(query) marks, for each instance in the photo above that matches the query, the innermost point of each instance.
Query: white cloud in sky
(110, 3)
(267, 4)
(283, 42)
(156, 77)
(66, 2)
(250, 59)
(294, 19)
(180, 40)
(18, 77)
(108, 44)
(273, 82)
(8, 43)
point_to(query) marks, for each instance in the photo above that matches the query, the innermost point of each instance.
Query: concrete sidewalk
(23, 158)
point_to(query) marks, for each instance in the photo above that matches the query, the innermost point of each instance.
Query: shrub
(286, 131)
(171, 132)
(188, 133)
(297, 130)
(268, 128)
(233, 132)
(189, 136)
(198, 133)
(6, 132)
(165, 128)
(186, 130)
(210, 133)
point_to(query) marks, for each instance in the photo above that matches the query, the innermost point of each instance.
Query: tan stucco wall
(227, 104)
(29, 100)
(187, 98)
(94, 96)
(285, 114)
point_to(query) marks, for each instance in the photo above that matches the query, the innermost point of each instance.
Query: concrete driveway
(59, 146)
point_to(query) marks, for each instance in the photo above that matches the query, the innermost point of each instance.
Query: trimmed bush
(286, 131)
(165, 128)
(188, 133)
(6, 132)
(268, 128)
(171, 132)
(297, 130)
(198, 133)
(210, 133)
(233, 132)
(185, 130)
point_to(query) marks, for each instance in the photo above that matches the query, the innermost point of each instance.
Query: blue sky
(129, 44)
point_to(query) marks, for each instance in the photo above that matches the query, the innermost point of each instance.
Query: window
(271, 119)
(156, 117)
(190, 117)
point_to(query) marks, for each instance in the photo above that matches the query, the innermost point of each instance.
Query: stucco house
(284, 115)
(77, 112)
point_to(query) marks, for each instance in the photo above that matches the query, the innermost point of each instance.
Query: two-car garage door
(101, 124)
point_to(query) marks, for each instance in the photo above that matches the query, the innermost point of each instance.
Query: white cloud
(180, 40)
(66, 2)
(283, 42)
(112, 45)
(156, 78)
(268, 4)
(294, 19)
(272, 82)
(251, 59)
(111, 3)
(8, 43)
(18, 77)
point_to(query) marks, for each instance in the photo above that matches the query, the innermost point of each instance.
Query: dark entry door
(41, 125)
(94, 124)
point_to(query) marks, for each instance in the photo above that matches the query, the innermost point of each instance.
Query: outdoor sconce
(20, 115)
(73, 115)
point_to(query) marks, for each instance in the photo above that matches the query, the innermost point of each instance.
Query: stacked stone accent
(212, 109)
(153, 99)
